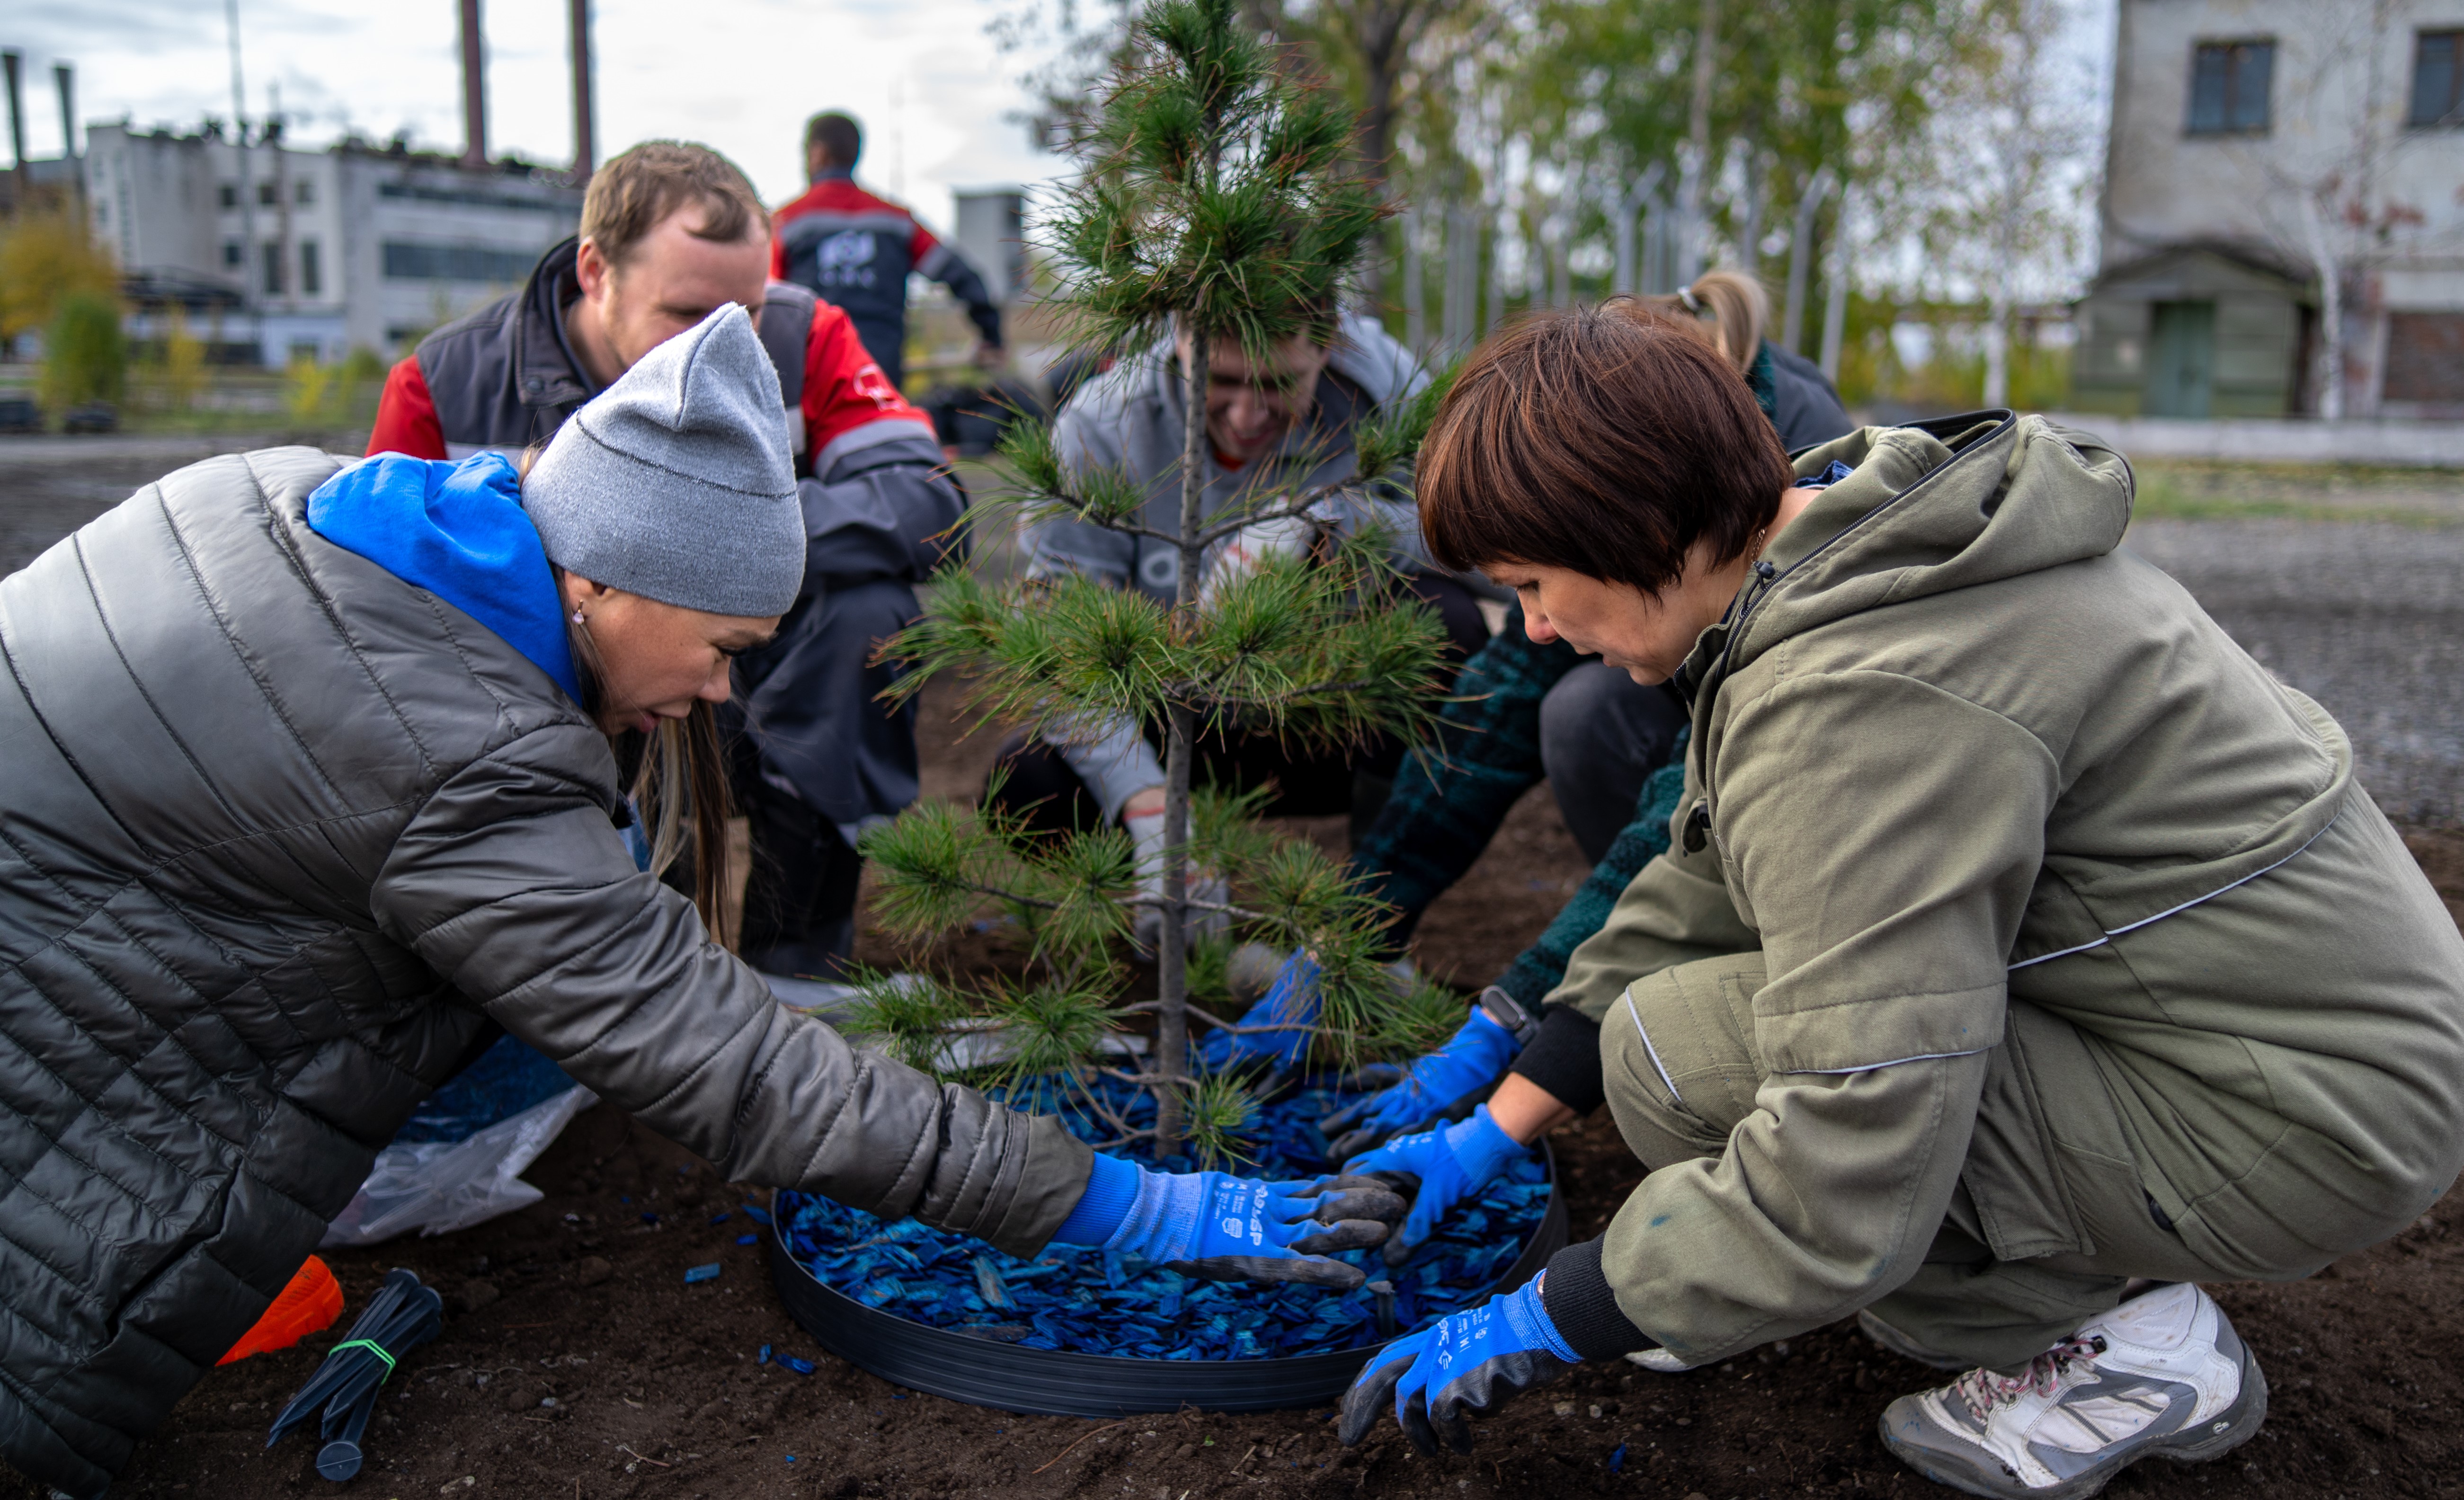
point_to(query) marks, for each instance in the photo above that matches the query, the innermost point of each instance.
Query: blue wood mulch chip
(1095, 1302)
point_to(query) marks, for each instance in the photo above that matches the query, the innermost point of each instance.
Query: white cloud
(740, 75)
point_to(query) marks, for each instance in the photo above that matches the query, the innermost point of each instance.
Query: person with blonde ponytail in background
(1731, 311)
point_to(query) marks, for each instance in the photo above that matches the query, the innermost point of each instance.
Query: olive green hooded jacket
(1957, 753)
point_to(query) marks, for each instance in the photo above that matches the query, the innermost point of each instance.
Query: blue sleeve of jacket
(887, 510)
(951, 269)
(1446, 805)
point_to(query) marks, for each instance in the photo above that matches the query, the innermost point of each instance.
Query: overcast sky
(740, 75)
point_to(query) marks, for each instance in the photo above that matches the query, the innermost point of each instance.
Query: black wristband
(1577, 1297)
(1565, 1059)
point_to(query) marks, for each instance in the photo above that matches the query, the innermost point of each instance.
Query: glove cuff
(1575, 1291)
(1111, 1189)
(1527, 1314)
(1565, 1059)
(1481, 1145)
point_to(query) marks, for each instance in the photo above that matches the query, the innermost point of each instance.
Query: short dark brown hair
(636, 191)
(1605, 439)
(839, 138)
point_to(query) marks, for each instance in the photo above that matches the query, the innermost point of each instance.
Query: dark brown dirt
(655, 1392)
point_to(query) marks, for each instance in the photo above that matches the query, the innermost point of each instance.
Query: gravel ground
(50, 486)
(2367, 617)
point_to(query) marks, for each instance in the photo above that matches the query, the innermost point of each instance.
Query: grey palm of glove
(1219, 1228)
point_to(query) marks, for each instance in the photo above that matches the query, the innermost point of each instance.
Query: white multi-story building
(2282, 204)
(297, 252)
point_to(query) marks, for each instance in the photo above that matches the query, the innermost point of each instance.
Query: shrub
(85, 357)
(184, 362)
(45, 258)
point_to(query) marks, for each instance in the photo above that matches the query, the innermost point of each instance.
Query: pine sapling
(1218, 204)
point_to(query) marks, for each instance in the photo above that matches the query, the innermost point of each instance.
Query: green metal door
(2181, 359)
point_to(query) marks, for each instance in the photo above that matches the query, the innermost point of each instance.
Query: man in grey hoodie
(1282, 424)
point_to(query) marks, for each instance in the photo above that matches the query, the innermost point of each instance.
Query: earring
(577, 616)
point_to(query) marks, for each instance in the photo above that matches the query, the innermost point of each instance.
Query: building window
(2425, 358)
(231, 253)
(2229, 87)
(230, 192)
(265, 195)
(2438, 79)
(406, 260)
(272, 256)
(312, 274)
(304, 192)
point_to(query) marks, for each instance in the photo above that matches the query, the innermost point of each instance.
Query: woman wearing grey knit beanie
(314, 792)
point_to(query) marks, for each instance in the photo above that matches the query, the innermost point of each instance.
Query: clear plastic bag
(459, 1160)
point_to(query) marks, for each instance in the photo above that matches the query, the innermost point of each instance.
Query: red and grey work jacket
(505, 378)
(855, 250)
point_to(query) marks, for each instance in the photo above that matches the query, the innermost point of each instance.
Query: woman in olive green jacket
(2020, 935)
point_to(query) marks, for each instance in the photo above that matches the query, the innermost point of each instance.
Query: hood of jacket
(459, 531)
(1927, 508)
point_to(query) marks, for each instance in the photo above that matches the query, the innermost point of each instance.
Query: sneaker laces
(1985, 1392)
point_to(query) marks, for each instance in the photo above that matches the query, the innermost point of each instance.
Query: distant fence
(2403, 445)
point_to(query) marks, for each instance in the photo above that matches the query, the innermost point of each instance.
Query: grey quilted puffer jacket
(280, 836)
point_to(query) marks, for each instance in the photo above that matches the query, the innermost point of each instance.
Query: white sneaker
(2162, 1375)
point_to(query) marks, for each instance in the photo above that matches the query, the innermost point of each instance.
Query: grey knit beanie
(675, 482)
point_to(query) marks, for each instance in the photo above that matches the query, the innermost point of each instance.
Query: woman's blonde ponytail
(1735, 305)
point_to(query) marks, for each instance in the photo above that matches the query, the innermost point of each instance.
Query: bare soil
(576, 1362)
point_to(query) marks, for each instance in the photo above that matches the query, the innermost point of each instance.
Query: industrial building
(291, 252)
(272, 254)
(2281, 209)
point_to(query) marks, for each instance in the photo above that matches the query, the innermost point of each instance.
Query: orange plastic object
(312, 1301)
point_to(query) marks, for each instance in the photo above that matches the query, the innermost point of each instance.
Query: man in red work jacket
(843, 244)
(670, 231)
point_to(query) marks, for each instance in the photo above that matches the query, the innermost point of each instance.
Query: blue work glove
(1448, 1165)
(1468, 1362)
(1471, 1059)
(1290, 1005)
(1221, 1228)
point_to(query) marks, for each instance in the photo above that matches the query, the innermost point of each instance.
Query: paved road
(2366, 616)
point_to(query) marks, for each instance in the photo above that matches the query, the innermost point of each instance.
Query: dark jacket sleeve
(511, 884)
(1448, 800)
(948, 267)
(1804, 408)
(888, 509)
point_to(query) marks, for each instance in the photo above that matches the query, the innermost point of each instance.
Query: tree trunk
(1180, 746)
(1834, 301)
(1997, 349)
(1800, 258)
(2331, 309)
(1698, 147)
(1376, 144)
